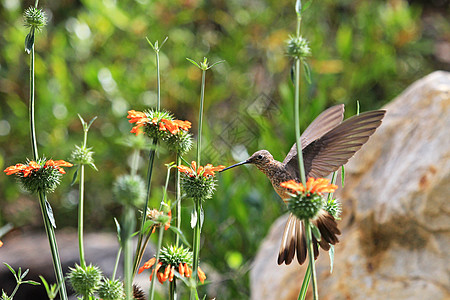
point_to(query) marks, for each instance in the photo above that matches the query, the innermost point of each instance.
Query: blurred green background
(92, 59)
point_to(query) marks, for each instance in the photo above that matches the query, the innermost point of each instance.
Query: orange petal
(1, 244)
(172, 273)
(181, 269)
(160, 277)
(201, 275)
(194, 166)
(293, 185)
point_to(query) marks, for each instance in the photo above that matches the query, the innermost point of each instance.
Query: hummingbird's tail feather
(294, 238)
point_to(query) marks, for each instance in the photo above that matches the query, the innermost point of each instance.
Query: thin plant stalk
(140, 249)
(116, 264)
(158, 248)
(178, 200)
(309, 243)
(31, 109)
(196, 249)
(129, 223)
(304, 288)
(200, 117)
(81, 217)
(173, 290)
(42, 196)
(53, 246)
(311, 259)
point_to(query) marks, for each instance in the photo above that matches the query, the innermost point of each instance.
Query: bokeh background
(92, 59)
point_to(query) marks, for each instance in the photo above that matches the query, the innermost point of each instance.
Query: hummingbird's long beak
(235, 165)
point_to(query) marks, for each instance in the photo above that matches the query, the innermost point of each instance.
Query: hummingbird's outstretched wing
(326, 121)
(337, 146)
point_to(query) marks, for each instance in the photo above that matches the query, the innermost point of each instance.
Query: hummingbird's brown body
(326, 144)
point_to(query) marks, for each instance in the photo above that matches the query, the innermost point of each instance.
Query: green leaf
(216, 63)
(90, 122)
(298, 7)
(11, 269)
(24, 274)
(32, 282)
(45, 283)
(342, 176)
(50, 213)
(117, 230)
(83, 123)
(357, 107)
(316, 232)
(181, 235)
(331, 253)
(202, 217)
(163, 42)
(75, 176)
(93, 166)
(193, 218)
(29, 41)
(193, 62)
(307, 71)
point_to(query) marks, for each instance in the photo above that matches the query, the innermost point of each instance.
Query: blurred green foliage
(93, 59)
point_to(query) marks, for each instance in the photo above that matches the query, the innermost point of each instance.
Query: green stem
(117, 263)
(297, 112)
(178, 200)
(173, 290)
(196, 243)
(81, 218)
(160, 237)
(129, 226)
(53, 246)
(139, 248)
(31, 108)
(158, 82)
(310, 245)
(200, 117)
(306, 279)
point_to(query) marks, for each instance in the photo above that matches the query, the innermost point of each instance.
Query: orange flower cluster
(318, 186)
(155, 214)
(34, 166)
(193, 171)
(141, 119)
(169, 271)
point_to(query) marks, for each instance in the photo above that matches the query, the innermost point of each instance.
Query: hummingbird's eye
(260, 156)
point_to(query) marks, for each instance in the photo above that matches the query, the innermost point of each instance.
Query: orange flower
(167, 225)
(193, 171)
(32, 166)
(318, 186)
(185, 125)
(138, 117)
(147, 265)
(57, 165)
(174, 126)
(1, 244)
(201, 275)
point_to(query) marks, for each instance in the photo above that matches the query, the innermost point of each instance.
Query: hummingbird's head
(260, 159)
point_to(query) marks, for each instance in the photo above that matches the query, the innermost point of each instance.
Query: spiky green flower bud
(85, 281)
(34, 18)
(175, 255)
(41, 176)
(305, 207)
(334, 207)
(180, 143)
(298, 47)
(198, 187)
(111, 289)
(83, 156)
(130, 190)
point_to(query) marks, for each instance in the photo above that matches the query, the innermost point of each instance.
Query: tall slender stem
(158, 82)
(311, 259)
(81, 217)
(116, 263)
(129, 226)
(178, 200)
(53, 246)
(173, 290)
(139, 248)
(196, 242)
(297, 112)
(200, 117)
(32, 119)
(304, 289)
(160, 237)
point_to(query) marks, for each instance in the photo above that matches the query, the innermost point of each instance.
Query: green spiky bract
(129, 189)
(305, 207)
(111, 289)
(152, 130)
(82, 156)
(180, 143)
(198, 187)
(334, 207)
(34, 18)
(85, 281)
(298, 47)
(174, 256)
(44, 180)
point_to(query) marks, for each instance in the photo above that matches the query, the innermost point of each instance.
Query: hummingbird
(327, 144)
